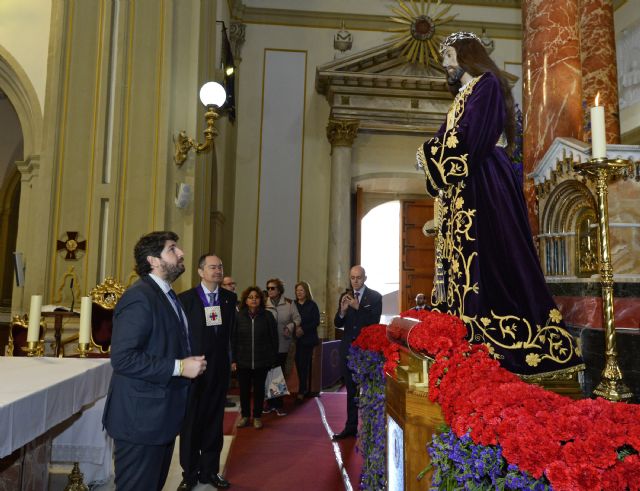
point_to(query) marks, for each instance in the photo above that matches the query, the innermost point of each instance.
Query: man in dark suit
(152, 362)
(211, 311)
(358, 307)
(421, 302)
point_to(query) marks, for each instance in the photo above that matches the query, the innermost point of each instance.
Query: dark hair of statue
(475, 60)
(151, 244)
(245, 294)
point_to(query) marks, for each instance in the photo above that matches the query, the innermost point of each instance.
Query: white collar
(206, 290)
(164, 285)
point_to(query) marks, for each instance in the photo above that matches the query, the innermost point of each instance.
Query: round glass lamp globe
(212, 94)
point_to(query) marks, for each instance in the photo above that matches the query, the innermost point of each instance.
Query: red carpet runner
(296, 451)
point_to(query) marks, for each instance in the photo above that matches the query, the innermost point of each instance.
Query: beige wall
(24, 32)
(372, 153)
(123, 79)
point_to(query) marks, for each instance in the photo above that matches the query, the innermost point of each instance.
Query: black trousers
(278, 402)
(141, 466)
(252, 379)
(303, 366)
(352, 389)
(201, 437)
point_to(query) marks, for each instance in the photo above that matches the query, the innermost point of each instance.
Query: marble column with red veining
(552, 85)
(599, 69)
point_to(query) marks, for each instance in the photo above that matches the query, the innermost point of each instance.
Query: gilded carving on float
(418, 36)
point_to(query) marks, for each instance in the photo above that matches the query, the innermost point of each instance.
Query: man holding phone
(358, 307)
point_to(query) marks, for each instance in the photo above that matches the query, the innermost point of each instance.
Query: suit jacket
(214, 341)
(354, 320)
(145, 403)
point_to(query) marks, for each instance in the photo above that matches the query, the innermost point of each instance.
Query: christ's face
(450, 61)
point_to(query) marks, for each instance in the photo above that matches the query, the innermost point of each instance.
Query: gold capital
(342, 132)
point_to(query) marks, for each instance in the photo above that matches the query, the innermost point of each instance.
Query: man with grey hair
(358, 307)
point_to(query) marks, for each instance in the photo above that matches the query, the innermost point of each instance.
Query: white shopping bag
(275, 386)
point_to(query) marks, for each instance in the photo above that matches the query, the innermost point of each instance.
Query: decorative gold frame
(37, 348)
(106, 295)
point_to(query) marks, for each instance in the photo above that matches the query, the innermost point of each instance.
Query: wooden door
(417, 252)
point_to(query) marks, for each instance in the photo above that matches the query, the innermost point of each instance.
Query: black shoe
(186, 486)
(346, 433)
(216, 480)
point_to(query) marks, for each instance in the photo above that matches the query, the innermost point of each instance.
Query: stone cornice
(368, 22)
(29, 168)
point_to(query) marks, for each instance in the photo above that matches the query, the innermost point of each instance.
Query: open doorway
(380, 253)
(11, 150)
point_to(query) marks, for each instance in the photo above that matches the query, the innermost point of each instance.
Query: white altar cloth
(38, 393)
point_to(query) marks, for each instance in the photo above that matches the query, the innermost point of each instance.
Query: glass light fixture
(212, 95)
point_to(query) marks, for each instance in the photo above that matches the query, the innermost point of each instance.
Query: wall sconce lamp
(212, 95)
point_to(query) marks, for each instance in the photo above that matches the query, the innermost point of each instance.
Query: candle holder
(34, 348)
(84, 349)
(611, 386)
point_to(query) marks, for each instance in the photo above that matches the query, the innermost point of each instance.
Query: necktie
(178, 309)
(358, 297)
(212, 298)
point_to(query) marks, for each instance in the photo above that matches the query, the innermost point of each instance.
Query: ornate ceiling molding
(367, 22)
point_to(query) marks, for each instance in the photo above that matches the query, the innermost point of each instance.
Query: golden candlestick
(83, 349)
(34, 348)
(612, 386)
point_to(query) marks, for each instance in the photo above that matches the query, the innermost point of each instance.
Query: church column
(598, 53)
(341, 133)
(552, 85)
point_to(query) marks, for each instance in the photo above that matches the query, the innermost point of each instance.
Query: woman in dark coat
(306, 335)
(254, 350)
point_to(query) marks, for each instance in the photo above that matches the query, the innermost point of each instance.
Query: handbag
(274, 385)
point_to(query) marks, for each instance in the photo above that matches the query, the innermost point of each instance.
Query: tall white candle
(84, 334)
(33, 333)
(598, 136)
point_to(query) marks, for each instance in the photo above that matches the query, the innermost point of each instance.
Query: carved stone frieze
(342, 132)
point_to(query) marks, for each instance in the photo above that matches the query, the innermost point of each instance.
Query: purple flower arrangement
(368, 373)
(459, 463)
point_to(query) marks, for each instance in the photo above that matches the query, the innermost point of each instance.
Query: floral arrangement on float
(503, 433)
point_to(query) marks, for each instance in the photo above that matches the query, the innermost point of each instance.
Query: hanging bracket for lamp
(213, 96)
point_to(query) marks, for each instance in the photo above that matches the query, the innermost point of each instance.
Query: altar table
(37, 394)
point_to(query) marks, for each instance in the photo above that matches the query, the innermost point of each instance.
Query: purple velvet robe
(487, 269)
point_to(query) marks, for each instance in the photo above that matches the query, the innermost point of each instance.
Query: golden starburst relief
(417, 35)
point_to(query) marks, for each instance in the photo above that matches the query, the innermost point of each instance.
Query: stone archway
(18, 89)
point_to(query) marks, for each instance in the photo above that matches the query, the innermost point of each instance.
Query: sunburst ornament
(417, 36)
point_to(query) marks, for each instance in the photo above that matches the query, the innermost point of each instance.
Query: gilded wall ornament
(73, 247)
(418, 35)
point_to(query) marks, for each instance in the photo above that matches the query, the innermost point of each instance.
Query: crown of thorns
(457, 36)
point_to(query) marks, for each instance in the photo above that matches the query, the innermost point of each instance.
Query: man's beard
(455, 78)
(172, 271)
